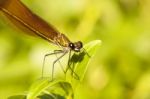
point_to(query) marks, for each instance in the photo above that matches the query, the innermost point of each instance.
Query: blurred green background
(121, 66)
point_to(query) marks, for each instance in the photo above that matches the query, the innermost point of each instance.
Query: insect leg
(64, 53)
(73, 73)
(57, 52)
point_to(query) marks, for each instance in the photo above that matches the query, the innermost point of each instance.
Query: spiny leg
(60, 62)
(64, 53)
(69, 67)
(55, 52)
(86, 53)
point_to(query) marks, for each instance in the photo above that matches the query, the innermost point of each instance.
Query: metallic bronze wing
(25, 19)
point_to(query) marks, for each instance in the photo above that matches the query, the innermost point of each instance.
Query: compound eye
(80, 45)
(71, 45)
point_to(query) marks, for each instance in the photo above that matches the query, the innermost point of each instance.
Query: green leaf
(79, 61)
(17, 97)
(51, 96)
(39, 86)
(42, 85)
(81, 66)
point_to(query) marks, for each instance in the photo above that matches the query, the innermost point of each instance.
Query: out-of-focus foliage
(121, 67)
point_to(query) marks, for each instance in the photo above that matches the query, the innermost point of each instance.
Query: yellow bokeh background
(119, 70)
